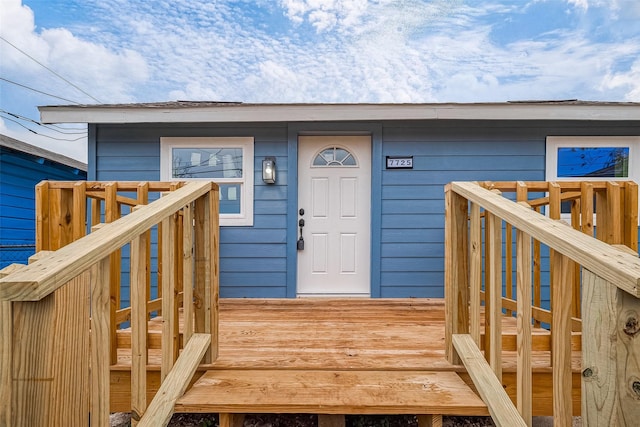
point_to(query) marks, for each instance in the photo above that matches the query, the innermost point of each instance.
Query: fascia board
(336, 112)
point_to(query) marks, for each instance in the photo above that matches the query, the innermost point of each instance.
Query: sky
(59, 52)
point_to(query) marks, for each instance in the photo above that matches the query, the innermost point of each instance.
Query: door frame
(373, 130)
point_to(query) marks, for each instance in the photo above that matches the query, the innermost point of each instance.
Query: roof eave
(338, 112)
(32, 150)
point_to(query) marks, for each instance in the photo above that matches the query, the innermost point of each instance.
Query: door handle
(300, 225)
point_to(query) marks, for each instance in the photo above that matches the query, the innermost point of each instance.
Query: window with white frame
(226, 161)
(593, 158)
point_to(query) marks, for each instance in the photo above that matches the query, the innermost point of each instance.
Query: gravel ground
(306, 420)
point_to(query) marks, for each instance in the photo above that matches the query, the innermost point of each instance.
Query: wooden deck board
(382, 334)
(338, 335)
(332, 392)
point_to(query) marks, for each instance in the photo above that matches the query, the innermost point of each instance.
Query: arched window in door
(334, 157)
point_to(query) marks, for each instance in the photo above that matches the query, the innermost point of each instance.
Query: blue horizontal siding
(399, 235)
(19, 174)
(412, 278)
(422, 249)
(261, 291)
(411, 210)
(412, 247)
(409, 190)
(250, 250)
(435, 290)
(252, 259)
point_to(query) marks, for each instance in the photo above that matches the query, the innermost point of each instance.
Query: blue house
(347, 199)
(22, 167)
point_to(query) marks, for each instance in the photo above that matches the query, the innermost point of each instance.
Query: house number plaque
(404, 162)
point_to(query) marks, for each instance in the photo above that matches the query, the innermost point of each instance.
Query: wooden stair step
(331, 392)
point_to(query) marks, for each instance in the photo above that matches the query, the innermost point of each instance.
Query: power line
(49, 69)
(59, 130)
(41, 134)
(38, 91)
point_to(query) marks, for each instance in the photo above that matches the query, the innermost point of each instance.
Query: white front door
(334, 192)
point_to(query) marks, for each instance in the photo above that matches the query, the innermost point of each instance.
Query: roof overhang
(32, 150)
(212, 112)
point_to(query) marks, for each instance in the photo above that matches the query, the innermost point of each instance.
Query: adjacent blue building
(22, 167)
(347, 199)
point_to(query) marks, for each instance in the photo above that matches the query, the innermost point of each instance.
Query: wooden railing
(575, 203)
(594, 285)
(65, 208)
(48, 344)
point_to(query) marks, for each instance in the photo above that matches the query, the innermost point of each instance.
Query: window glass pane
(601, 162)
(230, 198)
(206, 163)
(334, 156)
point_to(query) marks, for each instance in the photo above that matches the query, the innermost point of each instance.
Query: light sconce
(269, 170)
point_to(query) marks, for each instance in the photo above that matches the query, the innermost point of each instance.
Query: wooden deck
(313, 340)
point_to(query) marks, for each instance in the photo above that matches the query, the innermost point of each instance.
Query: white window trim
(555, 142)
(245, 217)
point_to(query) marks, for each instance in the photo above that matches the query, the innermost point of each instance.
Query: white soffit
(192, 112)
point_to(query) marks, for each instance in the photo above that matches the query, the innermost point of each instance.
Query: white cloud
(105, 72)
(628, 81)
(326, 14)
(325, 51)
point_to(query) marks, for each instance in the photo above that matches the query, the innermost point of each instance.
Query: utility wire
(49, 69)
(27, 119)
(38, 91)
(41, 134)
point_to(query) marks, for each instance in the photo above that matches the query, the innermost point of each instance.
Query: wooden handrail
(502, 410)
(55, 288)
(592, 285)
(615, 266)
(43, 277)
(161, 407)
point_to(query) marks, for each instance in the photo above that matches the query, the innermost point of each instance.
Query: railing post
(42, 215)
(43, 367)
(61, 220)
(6, 353)
(169, 318)
(493, 302)
(475, 271)
(207, 275)
(586, 208)
(139, 327)
(112, 213)
(456, 270)
(213, 231)
(562, 280)
(615, 222)
(610, 354)
(187, 271)
(631, 215)
(142, 193)
(100, 342)
(523, 325)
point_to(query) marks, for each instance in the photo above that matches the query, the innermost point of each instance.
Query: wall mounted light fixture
(269, 170)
